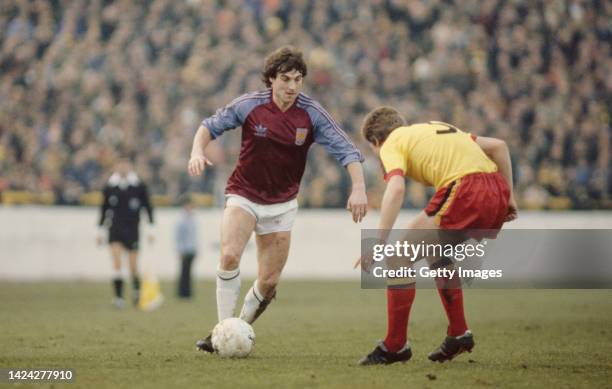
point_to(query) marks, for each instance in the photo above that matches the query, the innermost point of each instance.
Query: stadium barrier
(39, 242)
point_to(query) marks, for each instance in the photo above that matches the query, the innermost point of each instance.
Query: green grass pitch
(311, 336)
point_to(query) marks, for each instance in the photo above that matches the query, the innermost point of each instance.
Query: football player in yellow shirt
(473, 181)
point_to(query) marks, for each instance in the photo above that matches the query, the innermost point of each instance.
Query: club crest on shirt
(300, 136)
(260, 130)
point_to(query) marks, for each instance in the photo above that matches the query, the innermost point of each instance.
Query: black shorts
(126, 235)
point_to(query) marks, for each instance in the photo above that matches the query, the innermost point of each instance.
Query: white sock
(228, 289)
(252, 300)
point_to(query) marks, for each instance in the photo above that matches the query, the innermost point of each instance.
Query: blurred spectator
(81, 79)
(186, 238)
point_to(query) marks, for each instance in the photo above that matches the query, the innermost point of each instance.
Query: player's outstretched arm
(391, 204)
(357, 202)
(389, 210)
(197, 161)
(498, 151)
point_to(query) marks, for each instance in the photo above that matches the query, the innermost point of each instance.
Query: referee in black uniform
(124, 196)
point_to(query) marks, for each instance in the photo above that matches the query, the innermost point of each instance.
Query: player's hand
(197, 164)
(357, 204)
(512, 213)
(151, 239)
(99, 240)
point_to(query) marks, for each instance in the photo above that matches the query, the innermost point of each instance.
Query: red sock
(452, 299)
(399, 302)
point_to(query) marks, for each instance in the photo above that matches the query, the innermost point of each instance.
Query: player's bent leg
(459, 338)
(236, 229)
(449, 286)
(272, 253)
(116, 249)
(254, 304)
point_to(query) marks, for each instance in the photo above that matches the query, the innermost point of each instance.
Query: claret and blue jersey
(275, 144)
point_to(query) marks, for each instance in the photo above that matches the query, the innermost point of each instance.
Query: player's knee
(229, 261)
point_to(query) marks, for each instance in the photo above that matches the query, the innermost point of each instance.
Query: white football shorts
(269, 217)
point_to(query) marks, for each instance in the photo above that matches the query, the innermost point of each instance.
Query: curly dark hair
(282, 60)
(379, 123)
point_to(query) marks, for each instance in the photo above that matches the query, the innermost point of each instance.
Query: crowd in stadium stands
(82, 81)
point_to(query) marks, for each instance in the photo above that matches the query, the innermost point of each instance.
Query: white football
(233, 338)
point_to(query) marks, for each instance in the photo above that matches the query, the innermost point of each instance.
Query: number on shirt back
(450, 129)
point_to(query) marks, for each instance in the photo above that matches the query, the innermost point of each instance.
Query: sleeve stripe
(311, 103)
(394, 172)
(473, 137)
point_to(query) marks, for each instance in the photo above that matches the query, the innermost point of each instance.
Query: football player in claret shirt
(473, 181)
(279, 124)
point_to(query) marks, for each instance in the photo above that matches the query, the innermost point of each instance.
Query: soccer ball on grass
(233, 338)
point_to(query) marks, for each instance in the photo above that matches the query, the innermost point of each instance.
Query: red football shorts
(477, 201)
